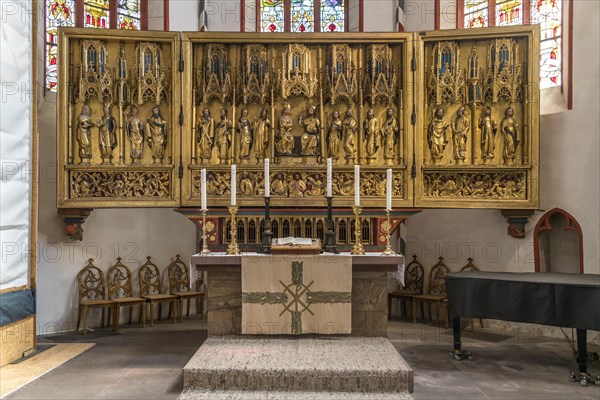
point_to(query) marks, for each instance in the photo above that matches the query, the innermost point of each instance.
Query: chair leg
(202, 298)
(117, 317)
(85, 315)
(143, 311)
(130, 314)
(414, 311)
(481, 323)
(171, 306)
(78, 316)
(160, 310)
(102, 324)
(389, 306)
(109, 316)
(180, 309)
(187, 314)
(151, 314)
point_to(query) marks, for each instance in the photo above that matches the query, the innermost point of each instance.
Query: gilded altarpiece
(478, 137)
(118, 132)
(454, 114)
(297, 100)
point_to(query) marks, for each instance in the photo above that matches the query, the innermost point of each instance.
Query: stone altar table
(224, 291)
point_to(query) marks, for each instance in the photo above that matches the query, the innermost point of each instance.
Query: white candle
(203, 179)
(233, 184)
(329, 177)
(388, 203)
(267, 178)
(357, 185)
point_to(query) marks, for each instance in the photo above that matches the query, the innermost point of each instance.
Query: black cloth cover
(556, 299)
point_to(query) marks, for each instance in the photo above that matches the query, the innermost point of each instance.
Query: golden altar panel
(478, 135)
(454, 114)
(118, 139)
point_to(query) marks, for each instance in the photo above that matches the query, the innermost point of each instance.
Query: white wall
(419, 15)
(224, 15)
(184, 15)
(380, 15)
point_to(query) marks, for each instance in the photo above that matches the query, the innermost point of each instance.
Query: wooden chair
(436, 295)
(120, 291)
(151, 290)
(92, 293)
(179, 285)
(469, 266)
(413, 285)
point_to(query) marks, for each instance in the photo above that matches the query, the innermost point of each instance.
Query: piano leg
(456, 352)
(583, 377)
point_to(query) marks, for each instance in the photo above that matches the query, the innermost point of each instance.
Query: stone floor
(147, 363)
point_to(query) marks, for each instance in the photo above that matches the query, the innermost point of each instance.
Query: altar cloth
(296, 294)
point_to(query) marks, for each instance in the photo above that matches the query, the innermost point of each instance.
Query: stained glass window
(272, 16)
(509, 13)
(476, 13)
(548, 13)
(96, 13)
(332, 16)
(303, 16)
(128, 14)
(58, 13)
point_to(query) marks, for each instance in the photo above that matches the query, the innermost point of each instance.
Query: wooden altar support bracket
(517, 219)
(74, 219)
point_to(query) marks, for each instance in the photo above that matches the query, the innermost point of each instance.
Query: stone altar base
(330, 367)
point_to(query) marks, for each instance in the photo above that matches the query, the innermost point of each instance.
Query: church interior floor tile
(147, 363)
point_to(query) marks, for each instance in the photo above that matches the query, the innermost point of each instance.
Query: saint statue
(245, 135)
(460, 130)
(262, 128)
(510, 129)
(206, 135)
(310, 137)
(349, 137)
(84, 134)
(390, 132)
(246, 185)
(372, 133)
(334, 135)
(436, 135)
(278, 186)
(297, 186)
(488, 127)
(135, 131)
(223, 136)
(107, 134)
(284, 142)
(156, 135)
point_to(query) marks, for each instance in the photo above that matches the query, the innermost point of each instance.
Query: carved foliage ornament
(477, 185)
(137, 184)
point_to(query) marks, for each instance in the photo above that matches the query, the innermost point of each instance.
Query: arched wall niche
(557, 241)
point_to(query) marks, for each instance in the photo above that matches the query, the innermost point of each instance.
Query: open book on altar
(296, 244)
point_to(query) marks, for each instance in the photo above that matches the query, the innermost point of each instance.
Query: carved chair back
(414, 276)
(179, 278)
(119, 281)
(469, 266)
(149, 278)
(90, 282)
(437, 278)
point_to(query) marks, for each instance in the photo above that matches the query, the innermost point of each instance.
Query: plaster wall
(224, 15)
(380, 16)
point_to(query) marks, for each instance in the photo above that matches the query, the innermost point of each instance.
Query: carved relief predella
(142, 114)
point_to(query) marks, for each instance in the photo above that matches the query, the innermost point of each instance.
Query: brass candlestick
(233, 246)
(205, 249)
(358, 246)
(388, 247)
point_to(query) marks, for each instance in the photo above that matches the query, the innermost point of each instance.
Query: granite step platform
(278, 395)
(297, 364)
